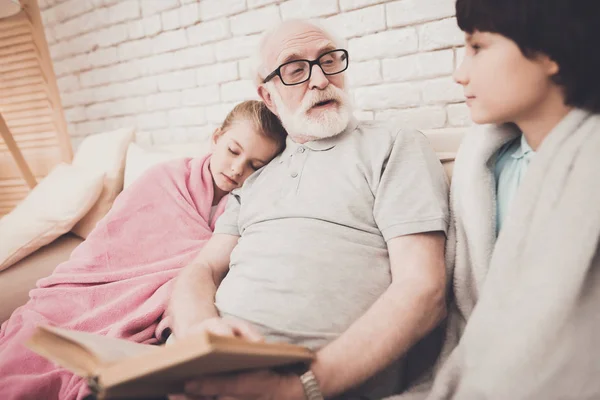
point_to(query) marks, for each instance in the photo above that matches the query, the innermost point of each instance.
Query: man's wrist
(293, 389)
(310, 385)
(325, 375)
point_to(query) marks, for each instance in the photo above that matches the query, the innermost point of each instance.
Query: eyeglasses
(299, 71)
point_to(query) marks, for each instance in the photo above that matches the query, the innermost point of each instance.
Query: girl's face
(500, 83)
(237, 153)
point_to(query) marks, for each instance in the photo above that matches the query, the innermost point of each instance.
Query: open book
(117, 368)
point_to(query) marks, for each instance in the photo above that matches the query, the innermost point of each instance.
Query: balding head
(317, 107)
(287, 34)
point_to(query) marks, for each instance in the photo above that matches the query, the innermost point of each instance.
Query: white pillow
(49, 210)
(104, 153)
(139, 158)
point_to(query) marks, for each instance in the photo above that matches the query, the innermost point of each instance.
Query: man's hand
(193, 299)
(230, 327)
(256, 385)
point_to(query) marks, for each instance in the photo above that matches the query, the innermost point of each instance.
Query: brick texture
(174, 68)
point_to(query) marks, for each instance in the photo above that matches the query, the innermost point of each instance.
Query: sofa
(18, 279)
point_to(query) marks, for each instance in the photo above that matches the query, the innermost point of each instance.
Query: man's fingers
(190, 397)
(193, 397)
(235, 385)
(245, 331)
(221, 330)
(198, 328)
(229, 327)
(203, 387)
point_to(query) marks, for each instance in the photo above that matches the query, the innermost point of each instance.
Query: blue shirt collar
(524, 149)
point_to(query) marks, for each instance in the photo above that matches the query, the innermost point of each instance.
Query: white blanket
(524, 320)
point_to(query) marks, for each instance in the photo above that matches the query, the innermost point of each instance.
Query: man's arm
(410, 308)
(194, 293)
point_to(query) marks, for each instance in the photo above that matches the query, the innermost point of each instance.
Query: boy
(524, 320)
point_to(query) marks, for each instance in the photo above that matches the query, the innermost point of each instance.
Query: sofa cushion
(18, 280)
(445, 143)
(49, 210)
(105, 153)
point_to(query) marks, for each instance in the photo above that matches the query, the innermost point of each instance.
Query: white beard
(327, 123)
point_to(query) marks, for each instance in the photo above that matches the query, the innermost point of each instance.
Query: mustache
(320, 96)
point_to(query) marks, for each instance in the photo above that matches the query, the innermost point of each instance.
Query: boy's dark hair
(567, 31)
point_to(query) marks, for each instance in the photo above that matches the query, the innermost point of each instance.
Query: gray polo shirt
(313, 226)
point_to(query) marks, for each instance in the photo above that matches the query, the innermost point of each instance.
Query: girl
(118, 281)
(247, 140)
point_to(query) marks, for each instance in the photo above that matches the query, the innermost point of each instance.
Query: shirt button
(294, 174)
(301, 150)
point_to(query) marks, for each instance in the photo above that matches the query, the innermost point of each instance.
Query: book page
(62, 345)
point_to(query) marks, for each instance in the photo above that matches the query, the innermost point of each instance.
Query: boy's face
(500, 83)
(237, 153)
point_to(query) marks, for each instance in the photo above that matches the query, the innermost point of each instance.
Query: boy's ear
(554, 68)
(550, 65)
(265, 95)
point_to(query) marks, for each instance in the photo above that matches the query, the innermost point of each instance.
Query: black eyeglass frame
(311, 63)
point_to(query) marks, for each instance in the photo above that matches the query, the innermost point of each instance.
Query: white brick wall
(174, 68)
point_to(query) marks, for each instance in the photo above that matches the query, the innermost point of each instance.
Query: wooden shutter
(29, 105)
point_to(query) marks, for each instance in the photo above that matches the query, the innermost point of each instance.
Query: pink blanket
(117, 283)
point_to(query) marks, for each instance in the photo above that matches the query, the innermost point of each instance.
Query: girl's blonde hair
(264, 121)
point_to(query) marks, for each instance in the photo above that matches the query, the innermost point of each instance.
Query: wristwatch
(311, 386)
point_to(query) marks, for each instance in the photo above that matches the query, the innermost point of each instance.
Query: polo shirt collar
(320, 144)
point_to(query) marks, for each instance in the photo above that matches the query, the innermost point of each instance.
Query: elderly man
(337, 244)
